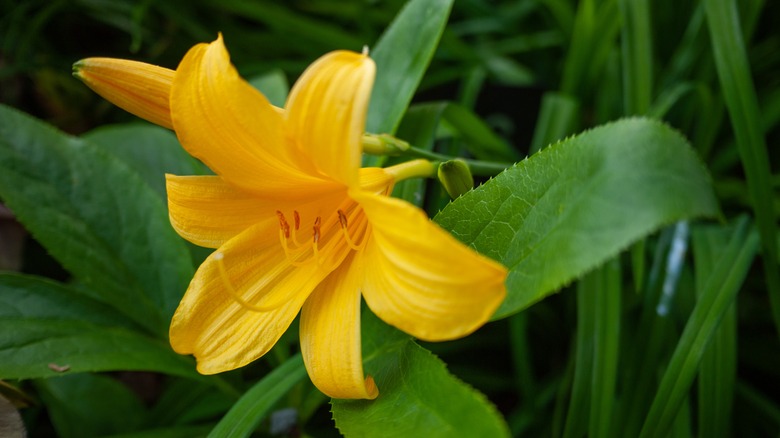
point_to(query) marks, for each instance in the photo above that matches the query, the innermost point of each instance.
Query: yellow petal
(420, 279)
(326, 112)
(217, 326)
(330, 335)
(139, 88)
(232, 127)
(208, 211)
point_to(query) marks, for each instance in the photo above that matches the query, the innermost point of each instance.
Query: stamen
(343, 218)
(218, 257)
(316, 239)
(297, 224)
(283, 224)
(345, 229)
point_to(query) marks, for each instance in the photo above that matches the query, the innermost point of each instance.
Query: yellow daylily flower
(300, 227)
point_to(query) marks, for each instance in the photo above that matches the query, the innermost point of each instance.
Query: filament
(219, 258)
(345, 230)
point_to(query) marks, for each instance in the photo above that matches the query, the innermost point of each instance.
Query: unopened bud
(139, 88)
(383, 144)
(456, 178)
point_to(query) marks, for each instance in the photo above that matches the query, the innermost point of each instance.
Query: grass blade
(605, 354)
(254, 405)
(637, 50)
(717, 296)
(735, 79)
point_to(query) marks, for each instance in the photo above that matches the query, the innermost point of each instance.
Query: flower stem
(477, 167)
(384, 144)
(412, 169)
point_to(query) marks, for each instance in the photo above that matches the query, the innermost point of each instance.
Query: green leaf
(47, 329)
(255, 404)
(402, 55)
(417, 395)
(576, 204)
(718, 367)
(558, 117)
(96, 216)
(478, 137)
(86, 405)
(716, 298)
(733, 68)
(151, 151)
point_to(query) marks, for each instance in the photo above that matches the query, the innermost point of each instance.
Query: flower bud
(456, 178)
(139, 88)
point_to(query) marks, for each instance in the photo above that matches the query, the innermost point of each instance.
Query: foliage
(643, 298)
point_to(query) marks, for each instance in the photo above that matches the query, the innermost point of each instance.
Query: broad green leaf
(244, 417)
(47, 329)
(417, 395)
(717, 295)
(186, 401)
(88, 405)
(402, 55)
(576, 204)
(96, 216)
(149, 150)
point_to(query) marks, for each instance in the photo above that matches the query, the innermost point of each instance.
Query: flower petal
(326, 112)
(420, 279)
(330, 335)
(208, 211)
(213, 320)
(232, 127)
(136, 87)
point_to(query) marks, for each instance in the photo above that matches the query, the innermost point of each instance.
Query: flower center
(335, 232)
(331, 240)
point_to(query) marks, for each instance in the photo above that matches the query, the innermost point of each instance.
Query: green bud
(456, 178)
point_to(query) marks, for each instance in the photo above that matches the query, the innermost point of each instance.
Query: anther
(297, 219)
(343, 218)
(283, 224)
(316, 228)
(345, 229)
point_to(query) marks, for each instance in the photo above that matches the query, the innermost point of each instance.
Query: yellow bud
(456, 178)
(383, 144)
(139, 88)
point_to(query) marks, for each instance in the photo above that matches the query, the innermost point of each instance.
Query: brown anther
(343, 218)
(283, 224)
(296, 220)
(316, 228)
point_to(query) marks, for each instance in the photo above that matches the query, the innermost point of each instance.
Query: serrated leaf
(417, 395)
(96, 216)
(149, 150)
(47, 329)
(574, 205)
(402, 55)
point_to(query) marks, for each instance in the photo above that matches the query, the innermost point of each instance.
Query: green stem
(477, 167)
